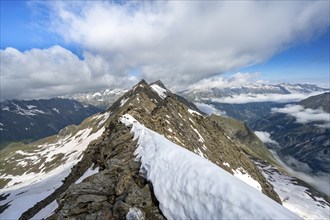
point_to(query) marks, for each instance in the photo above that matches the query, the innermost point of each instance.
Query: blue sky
(306, 62)
(119, 43)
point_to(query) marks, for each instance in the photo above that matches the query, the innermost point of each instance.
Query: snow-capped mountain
(101, 99)
(35, 119)
(253, 93)
(151, 155)
(251, 102)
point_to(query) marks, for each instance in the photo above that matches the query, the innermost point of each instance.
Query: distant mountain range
(253, 93)
(100, 99)
(35, 119)
(252, 102)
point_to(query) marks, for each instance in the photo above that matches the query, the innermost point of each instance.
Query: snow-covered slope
(299, 199)
(188, 186)
(35, 119)
(31, 173)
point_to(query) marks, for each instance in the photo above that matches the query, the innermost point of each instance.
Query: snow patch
(56, 110)
(295, 197)
(123, 101)
(241, 174)
(31, 106)
(159, 90)
(30, 111)
(47, 211)
(188, 186)
(226, 164)
(88, 173)
(193, 112)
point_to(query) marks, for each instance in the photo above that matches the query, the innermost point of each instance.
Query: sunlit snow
(188, 186)
(159, 90)
(28, 189)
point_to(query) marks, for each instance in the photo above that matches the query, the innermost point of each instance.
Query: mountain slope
(35, 119)
(319, 101)
(106, 180)
(30, 173)
(301, 132)
(246, 139)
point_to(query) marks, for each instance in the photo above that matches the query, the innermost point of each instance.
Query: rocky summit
(106, 180)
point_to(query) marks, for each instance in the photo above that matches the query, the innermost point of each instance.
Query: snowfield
(295, 197)
(188, 186)
(159, 90)
(28, 189)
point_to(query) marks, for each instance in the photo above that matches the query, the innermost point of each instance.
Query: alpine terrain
(301, 133)
(152, 155)
(250, 102)
(31, 120)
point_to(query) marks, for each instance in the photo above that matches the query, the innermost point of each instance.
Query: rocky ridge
(118, 187)
(118, 190)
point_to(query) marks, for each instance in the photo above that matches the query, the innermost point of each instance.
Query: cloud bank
(319, 181)
(209, 109)
(250, 98)
(179, 42)
(265, 137)
(43, 73)
(186, 41)
(303, 115)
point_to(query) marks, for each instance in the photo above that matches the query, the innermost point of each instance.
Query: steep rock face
(118, 189)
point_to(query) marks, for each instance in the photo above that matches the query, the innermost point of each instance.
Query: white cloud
(221, 82)
(179, 42)
(209, 109)
(305, 115)
(43, 73)
(265, 137)
(182, 41)
(271, 97)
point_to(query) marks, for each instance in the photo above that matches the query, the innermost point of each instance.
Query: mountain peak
(159, 83)
(142, 82)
